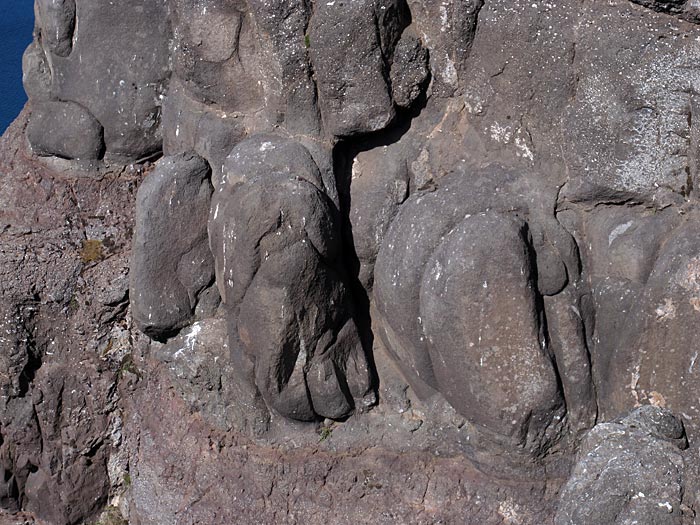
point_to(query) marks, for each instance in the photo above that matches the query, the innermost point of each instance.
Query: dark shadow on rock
(344, 155)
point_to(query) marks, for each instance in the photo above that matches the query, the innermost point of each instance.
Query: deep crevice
(344, 154)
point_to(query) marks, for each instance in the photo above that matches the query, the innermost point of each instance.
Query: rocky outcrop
(171, 264)
(381, 260)
(276, 241)
(628, 470)
(110, 60)
(66, 334)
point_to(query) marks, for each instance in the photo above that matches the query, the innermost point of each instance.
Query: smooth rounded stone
(262, 154)
(556, 253)
(325, 389)
(352, 366)
(565, 313)
(287, 322)
(349, 43)
(657, 360)
(627, 472)
(171, 263)
(478, 310)
(267, 181)
(275, 237)
(495, 304)
(65, 129)
(624, 241)
(553, 270)
(218, 59)
(56, 19)
(278, 343)
(249, 222)
(378, 186)
(408, 245)
(279, 374)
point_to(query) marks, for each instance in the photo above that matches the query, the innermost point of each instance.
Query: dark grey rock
(410, 71)
(275, 237)
(217, 59)
(289, 345)
(265, 154)
(291, 96)
(479, 315)
(65, 129)
(171, 263)
(672, 6)
(566, 315)
(655, 330)
(57, 22)
(36, 74)
(408, 245)
(294, 193)
(628, 471)
(351, 45)
(115, 66)
(621, 158)
(190, 125)
(391, 182)
(434, 278)
(448, 29)
(378, 186)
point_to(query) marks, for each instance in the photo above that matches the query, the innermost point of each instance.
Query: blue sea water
(16, 24)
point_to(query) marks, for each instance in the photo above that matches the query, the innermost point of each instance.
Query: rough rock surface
(66, 333)
(628, 470)
(368, 261)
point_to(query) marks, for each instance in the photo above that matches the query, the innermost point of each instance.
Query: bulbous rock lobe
(275, 237)
(171, 263)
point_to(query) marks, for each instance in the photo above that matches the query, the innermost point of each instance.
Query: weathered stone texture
(396, 261)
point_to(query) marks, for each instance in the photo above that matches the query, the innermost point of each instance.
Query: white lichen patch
(502, 134)
(510, 512)
(618, 230)
(666, 311)
(523, 149)
(643, 107)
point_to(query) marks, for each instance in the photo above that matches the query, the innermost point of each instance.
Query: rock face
(392, 261)
(171, 264)
(110, 59)
(276, 240)
(628, 470)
